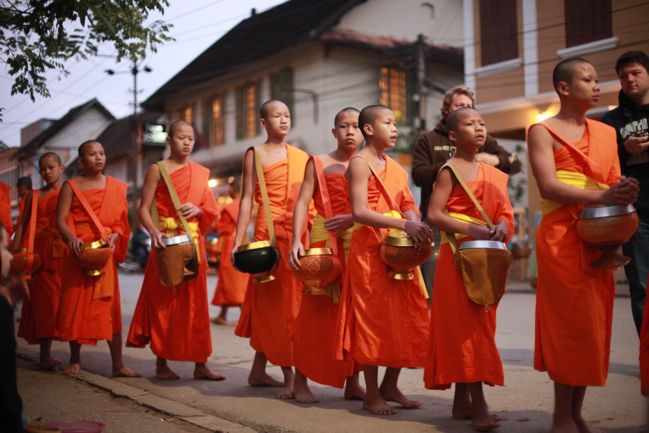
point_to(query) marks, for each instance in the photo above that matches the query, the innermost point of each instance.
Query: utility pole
(419, 123)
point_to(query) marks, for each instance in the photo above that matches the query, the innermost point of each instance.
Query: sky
(197, 24)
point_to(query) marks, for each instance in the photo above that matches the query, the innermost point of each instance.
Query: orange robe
(232, 284)
(462, 339)
(269, 311)
(5, 209)
(316, 322)
(574, 301)
(176, 320)
(644, 351)
(39, 313)
(90, 307)
(382, 321)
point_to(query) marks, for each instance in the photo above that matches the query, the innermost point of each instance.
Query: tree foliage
(41, 35)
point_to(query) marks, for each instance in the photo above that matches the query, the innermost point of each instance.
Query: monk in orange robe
(574, 161)
(324, 181)
(175, 320)
(644, 353)
(270, 309)
(462, 348)
(382, 321)
(5, 208)
(39, 312)
(90, 307)
(231, 284)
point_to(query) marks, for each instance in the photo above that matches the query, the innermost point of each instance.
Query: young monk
(176, 320)
(270, 309)
(381, 321)
(574, 161)
(316, 322)
(462, 337)
(90, 307)
(39, 313)
(232, 284)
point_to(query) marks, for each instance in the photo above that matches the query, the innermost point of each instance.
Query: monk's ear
(263, 122)
(452, 135)
(368, 128)
(333, 132)
(563, 88)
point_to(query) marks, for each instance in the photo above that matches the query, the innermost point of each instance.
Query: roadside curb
(172, 408)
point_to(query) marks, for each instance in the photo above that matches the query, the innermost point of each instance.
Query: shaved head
(82, 146)
(263, 109)
(368, 116)
(453, 119)
(52, 155)
(341, 112)
(565, 71)
(177, 124)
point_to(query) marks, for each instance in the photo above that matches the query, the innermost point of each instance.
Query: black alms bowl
(256, 258)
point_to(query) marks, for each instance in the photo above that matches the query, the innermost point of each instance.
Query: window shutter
(241, 112)
(587, 21)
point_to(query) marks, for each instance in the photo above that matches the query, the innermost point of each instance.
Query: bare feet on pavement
(397, 396)
(163, 372)
(263, 380)
(354, 390)
(203, 372)
(73, 369)
(49, 363)
(303, 394)
(379, 407)
(125, 372)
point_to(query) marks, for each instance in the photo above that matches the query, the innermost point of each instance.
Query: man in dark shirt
(434, 148)
(630, 120)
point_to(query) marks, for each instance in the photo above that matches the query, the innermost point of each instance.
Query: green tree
(41, 35)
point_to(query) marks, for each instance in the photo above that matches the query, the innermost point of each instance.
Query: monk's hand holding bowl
(420, 232)
(499, 231)
(111, 239)
(75, 244)
(156, 240)
(339, 223)
(297, 250)
(624, 192)
(190, 210)
(479, 233)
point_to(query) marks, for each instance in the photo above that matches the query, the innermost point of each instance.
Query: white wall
(87, 126)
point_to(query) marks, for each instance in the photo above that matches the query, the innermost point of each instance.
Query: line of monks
(348, 200)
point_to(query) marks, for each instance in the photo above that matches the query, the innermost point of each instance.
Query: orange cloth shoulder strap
(384, 190)
(326, 201)
(29, 220)
(86, 206)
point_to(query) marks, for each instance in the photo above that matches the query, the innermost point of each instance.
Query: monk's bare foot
(219, 321)
(488, 424)
(49, 364)
(461, 414)
(285, 394)
(163, 372)
(379, 407)
(583, 427)
(397, 396)
(264, 380)
(126, 372)
(73, 369)
(564, 427)
(354, 391)
(203, 372)
(461, 410)
(303, 394)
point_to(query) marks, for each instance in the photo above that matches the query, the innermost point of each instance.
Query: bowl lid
(253, 246)
(176, 240)
(318, 252)
(101, 243)
(606, 211)
(483, 244)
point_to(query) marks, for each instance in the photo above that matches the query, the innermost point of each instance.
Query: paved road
(525, 403)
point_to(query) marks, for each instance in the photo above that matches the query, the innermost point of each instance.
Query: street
(525, 403)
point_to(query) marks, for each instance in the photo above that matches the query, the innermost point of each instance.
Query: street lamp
(137, 145)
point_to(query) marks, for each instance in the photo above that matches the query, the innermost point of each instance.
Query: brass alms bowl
(94, 257)
(319, 267)
(398, 251)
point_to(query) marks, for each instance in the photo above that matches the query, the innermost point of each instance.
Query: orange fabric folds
(5, 209)
(232, 284)
(38, 317)
(175, 321)
(574, 302)
(462, 346)
(316, 323)
(90, 306)
(269, 311)
(382, 321)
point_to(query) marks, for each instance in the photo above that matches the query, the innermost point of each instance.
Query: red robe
(574, 301)
(269, 311)
(176, 320)
(381, 321)
(39, 313)
(90, 307)
(5, 209)
(316, 322)
(232, 284)
(462, 339)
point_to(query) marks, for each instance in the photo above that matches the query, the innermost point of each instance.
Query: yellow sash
(578, 180)
(170, 227)
(319, 233)
(462, 218)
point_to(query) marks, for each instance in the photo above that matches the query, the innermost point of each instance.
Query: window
(393, 91)
(281, 88)
(186, 114)
(498, 31)
(587, 21)
(215, 121)
(247, 105)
